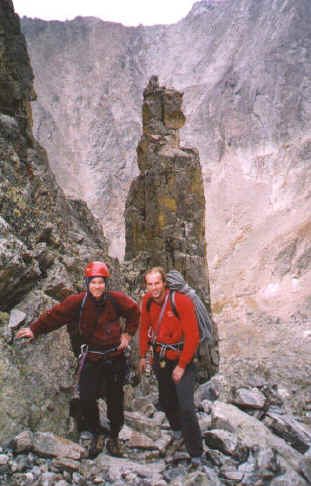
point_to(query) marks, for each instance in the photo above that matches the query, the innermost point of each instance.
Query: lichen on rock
(165, 209)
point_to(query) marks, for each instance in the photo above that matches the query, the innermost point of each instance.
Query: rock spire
(165, 209)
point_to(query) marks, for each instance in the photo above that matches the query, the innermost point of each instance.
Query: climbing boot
(87, 440)
(114, 448)
(195, 463)
(99, 444)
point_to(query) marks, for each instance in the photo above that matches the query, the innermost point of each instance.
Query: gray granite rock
(249, 398)
(252, 432)
(294, 431)
(47, 444)
(305, 465)
(226, 442)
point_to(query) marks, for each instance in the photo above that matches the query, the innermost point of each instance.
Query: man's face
(97, 287)
(156, 286)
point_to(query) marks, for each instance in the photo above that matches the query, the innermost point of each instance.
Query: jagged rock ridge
(45, 242)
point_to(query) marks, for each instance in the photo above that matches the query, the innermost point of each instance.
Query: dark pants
(176, 399)
(107, 375)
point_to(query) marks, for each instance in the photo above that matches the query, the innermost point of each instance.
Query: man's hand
(177, 374)
(25, 332)
(142, 366)
(125, 341)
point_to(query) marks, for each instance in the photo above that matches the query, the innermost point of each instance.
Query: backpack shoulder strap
(173, 304)
(148, 305)
(172, 300)
(81, 310)
(115, 304)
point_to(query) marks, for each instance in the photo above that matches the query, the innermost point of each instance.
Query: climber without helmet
(174, 341)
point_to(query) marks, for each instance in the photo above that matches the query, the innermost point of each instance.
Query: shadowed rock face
(16, 75)
(165, 208)
(45, 242)
(244, 68)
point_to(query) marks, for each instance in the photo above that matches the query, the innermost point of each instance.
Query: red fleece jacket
(100, 326)
(172, 330)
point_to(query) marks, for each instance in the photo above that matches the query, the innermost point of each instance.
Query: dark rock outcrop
(45, 242)
(165, 208)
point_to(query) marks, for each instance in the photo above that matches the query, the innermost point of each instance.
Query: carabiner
(83, 350)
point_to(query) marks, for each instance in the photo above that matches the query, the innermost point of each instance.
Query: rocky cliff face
(244, 68)
(45, 242)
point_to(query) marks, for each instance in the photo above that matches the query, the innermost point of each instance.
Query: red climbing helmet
(96, 269)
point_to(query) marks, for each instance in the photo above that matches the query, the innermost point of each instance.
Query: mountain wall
(244, 68)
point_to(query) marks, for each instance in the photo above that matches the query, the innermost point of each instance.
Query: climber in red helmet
(96, 313)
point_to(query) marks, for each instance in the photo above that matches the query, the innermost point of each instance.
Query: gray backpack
(207, 355)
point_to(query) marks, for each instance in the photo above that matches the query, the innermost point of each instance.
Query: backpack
(207, 354)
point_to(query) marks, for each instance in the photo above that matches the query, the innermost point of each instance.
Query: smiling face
(97, 287)
(156, 286)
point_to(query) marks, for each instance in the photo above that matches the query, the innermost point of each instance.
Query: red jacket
(172, 330)
(100, 326)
